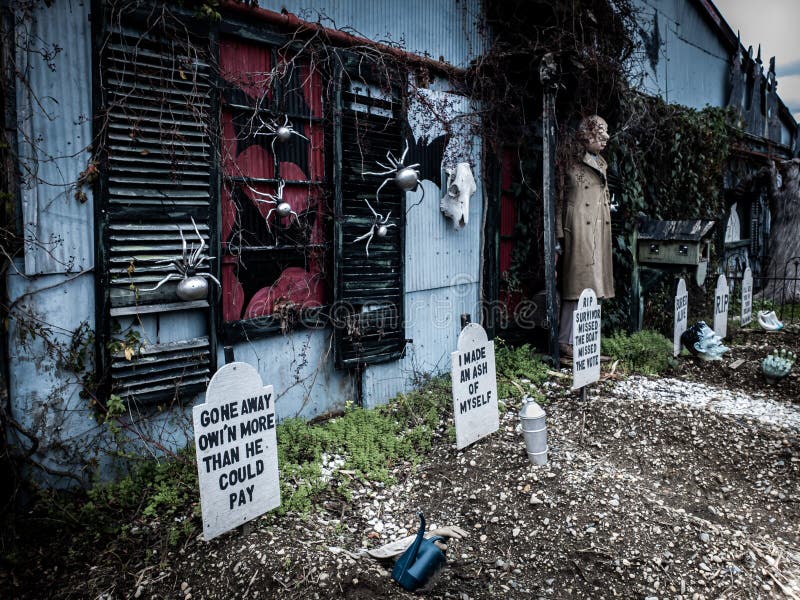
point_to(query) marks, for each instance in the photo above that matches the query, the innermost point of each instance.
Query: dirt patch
(643, 497)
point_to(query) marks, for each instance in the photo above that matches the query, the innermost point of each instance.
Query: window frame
(311, 318)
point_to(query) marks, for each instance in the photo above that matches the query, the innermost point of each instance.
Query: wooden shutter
(368, 309)
(157, 106)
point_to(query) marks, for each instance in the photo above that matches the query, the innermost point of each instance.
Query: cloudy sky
(775, 24)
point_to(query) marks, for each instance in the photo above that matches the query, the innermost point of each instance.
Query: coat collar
(598, 164)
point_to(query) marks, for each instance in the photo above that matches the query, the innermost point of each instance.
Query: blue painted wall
(54, 285)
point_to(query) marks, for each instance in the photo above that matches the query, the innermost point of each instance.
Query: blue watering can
(422, 559)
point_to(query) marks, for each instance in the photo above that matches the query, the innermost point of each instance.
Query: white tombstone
(681, 316)
(586, 340)
(237, 450)
(721, 298)
(747, 297)
(474, 386)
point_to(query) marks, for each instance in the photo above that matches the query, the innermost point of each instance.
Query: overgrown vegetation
(513, 364)
(644, 352)
(317, 462)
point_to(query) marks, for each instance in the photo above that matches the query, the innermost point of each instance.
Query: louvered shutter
(368, 309)
(157, 175)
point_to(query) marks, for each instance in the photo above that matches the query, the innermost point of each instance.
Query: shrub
(645, 352)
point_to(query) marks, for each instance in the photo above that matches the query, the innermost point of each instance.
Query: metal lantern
(534, 430)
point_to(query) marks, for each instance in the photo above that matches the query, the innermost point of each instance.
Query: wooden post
(547, 76)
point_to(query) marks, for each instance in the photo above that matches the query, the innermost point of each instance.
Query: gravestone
(474, 386)
(747, 297)
(586, 340)
(680, 316)
(721, 299)
(237, 450)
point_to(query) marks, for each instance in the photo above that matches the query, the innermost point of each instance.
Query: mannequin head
(593, 134)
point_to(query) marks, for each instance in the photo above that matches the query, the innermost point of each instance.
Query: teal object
(422, 560)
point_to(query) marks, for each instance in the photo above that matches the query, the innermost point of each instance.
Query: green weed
(645, 352)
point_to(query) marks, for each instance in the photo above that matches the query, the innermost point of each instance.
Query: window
(156, 120)
(273, 263)
(194, 159)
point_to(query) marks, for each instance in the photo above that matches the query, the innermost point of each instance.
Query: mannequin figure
(583, 227)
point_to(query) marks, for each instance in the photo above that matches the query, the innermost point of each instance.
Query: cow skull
(460, 188)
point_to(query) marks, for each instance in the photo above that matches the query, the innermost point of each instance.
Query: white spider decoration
(283, 208)
(379, 227)
(193, 285)
(405, 177)
(280, 133)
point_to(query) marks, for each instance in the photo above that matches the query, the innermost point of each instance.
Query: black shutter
(368, 309)
(157, 163)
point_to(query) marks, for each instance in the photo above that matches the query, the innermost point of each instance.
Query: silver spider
(405, 177)
(283, 208)
(280, 133)
(192, 284)
(379, 227)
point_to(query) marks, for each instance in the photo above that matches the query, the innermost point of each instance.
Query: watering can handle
(417, 542)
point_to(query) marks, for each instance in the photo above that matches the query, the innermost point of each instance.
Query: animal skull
(460, 188)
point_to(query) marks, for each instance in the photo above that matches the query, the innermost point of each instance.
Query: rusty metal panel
(448, 30)
(54, 108)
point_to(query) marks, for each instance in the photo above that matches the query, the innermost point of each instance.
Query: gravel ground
(684, 487)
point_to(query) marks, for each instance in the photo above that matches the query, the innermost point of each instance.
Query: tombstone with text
(721, 300)
(586, 340)
(474, 386)
(681, 316)
(747, 297)
(237, 450)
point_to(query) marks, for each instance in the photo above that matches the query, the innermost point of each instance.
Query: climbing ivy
(667, 161)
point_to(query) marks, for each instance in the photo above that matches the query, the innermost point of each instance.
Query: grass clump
(364, 443)
(645, 352)
(517, 363)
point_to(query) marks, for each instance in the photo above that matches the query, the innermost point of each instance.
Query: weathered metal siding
(437, 254)
(433, 320)
(54, 108)
(693, 65)
(300, 366)
(448, 29)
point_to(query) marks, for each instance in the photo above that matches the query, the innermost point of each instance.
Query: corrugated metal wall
(54, 107)
(442, 278)
(446, 29)
(693, 65)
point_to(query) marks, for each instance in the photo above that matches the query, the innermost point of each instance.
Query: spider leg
(202, 247)
(412, 166)
(378, 191)
(361, 237)
(273, 145)
(405, 151)
(183, 242)
(162, 282)
(210, 276)
(298, 134)
(383, 221)
(387, 172)
(370, 207)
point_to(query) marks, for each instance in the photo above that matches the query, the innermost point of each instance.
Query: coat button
(607, 222)
(588, 222)
(586, 187)
(587, 204)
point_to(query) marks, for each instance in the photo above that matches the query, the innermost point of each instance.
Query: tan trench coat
(583, 219)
